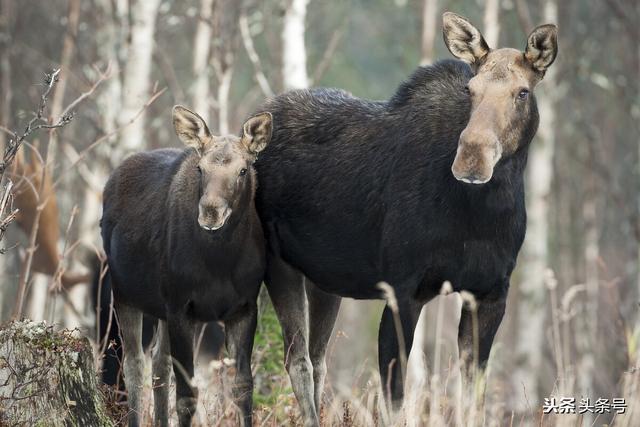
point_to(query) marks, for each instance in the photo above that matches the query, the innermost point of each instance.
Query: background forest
(572, 326)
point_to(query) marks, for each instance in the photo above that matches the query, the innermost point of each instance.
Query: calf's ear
(463, 40)
(190, 128)
(542, 47)
(256, 132)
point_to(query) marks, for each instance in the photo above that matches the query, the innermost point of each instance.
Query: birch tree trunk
(532, 298)
(227, 32)
(110, 39)
(294, 55)
(137, 73)
(429, 29)
(492, 22)
(201, 48)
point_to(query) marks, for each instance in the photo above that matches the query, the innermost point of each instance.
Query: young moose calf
(184, 244)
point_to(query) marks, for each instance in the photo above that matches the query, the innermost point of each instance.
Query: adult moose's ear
(256, 132)
(463, 40)
(542, 47)
(191, 128)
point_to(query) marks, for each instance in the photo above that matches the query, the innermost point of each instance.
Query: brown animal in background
(46, 258)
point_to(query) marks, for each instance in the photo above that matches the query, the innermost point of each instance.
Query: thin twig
(247, 41)
(106, 136)
(329, 52)
(56, 284)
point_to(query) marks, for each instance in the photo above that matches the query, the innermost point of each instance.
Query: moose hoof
(186, 408)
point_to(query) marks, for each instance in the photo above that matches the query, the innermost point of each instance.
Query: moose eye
(243, 172)
(523, 94)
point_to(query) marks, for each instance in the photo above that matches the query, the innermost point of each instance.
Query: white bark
(294, 55)
(535, 252)
(38, 297)
(492, 22)
(137, 72)
(224, 86)
(429, 28)
(201, 48)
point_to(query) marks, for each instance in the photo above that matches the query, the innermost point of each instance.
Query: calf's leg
(181, 332)
(388, 346)
(323, 312)
(289, 299)
(161, 375)
(130, 321)
(240, 331)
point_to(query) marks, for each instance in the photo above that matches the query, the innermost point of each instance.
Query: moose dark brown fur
(184, 245)
(423, 188)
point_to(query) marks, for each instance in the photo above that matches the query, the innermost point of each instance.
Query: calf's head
(503, 108)
(224, 163)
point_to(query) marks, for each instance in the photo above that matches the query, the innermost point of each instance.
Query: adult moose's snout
(213, 217)
(477, 155)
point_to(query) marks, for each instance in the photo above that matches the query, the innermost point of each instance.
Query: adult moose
(422, 188)
(184, 245)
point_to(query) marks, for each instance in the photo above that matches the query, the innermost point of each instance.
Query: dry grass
(435, 397)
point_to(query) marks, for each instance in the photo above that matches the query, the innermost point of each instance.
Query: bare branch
(524, 17)
(247, 41)
(329, 52)
(102, 76)
(13, 145)
(106, 136)
(36, 123)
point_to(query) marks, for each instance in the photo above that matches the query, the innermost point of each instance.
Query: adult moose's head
(503, 109)
(225, 163)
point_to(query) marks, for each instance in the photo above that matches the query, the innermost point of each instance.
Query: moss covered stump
(47, 378)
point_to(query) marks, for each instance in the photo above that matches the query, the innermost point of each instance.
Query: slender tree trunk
(201, 49)
(224, 86)
(532, 309)
(492, 22)
(40, 294)
(294, 55)
(6, 14)
(137, 74)
(429, 29)
(57, 103)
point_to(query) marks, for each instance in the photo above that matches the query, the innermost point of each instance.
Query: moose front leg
(479, 323)
(239, 340)
(323, 310)
(287, 292)
(389, 361)
(181, 334)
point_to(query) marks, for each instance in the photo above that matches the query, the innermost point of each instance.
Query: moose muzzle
(477, 155)
(213, 218)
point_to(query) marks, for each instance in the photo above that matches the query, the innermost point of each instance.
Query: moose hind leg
(130, 321)
(181, 334)
(323, 312)
(240, 331)
(289, 299)
(161, 375)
